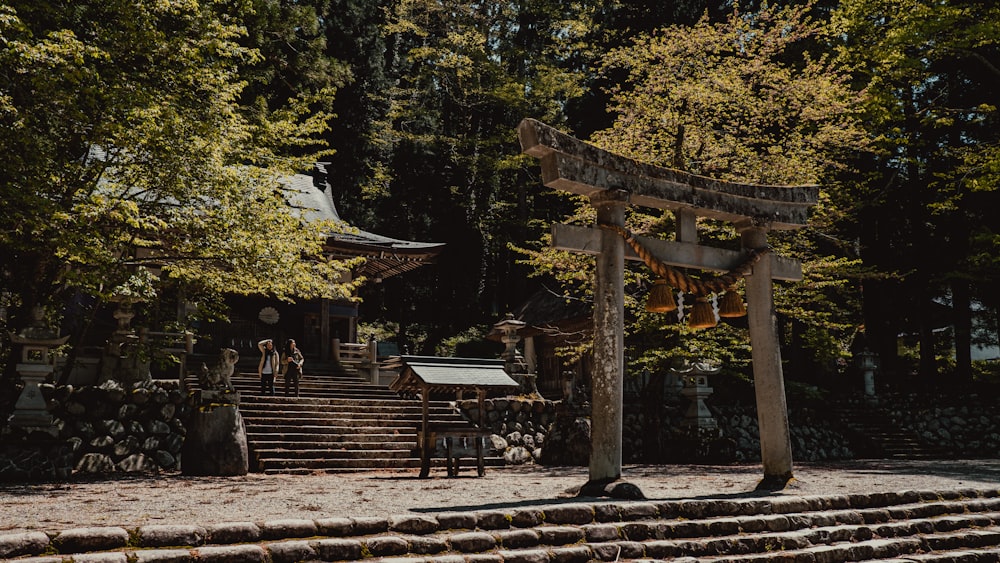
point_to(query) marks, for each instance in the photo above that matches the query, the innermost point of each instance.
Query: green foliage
(741, 99)
(744, 99)
(124, 144)
(923, 209)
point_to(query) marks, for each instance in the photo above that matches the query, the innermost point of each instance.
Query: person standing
(292, 371)
(270, 361)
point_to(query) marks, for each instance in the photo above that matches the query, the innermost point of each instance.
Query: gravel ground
(176, 499)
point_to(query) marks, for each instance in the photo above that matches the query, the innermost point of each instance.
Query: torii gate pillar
(769, 382)
(609, 345)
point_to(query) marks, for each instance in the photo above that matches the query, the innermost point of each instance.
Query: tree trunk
(962, 310)
(928, 363)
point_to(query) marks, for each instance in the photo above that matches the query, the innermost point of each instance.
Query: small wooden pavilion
(428, 375)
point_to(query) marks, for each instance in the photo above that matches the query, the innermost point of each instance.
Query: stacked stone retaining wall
(104, 429)
(523, 427)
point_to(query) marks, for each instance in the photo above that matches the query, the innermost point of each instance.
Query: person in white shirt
(270, 363)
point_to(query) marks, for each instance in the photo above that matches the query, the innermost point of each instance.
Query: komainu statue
(218, 376)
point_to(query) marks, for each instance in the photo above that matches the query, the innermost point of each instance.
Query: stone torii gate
(612, 182)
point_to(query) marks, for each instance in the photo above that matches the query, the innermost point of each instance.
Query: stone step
(377, 451)
(317, 441)
(379, 441)
(356, 412)
(265, 432)
(337, 424)
(346, 405)
(907, 526)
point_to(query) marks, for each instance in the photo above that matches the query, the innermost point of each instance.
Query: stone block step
(265, 430)
(359, 407)
(334, 425)
(386, 413)
(319, 421)
(346, 405)
(319, 441)
(906, 526)
(377, 452)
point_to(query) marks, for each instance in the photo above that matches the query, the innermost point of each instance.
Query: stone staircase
(337, 423)
(876, 437)
(907, 526)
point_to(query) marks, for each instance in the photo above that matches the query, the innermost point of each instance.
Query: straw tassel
(731, 305)
(702, 315)
(661, 298)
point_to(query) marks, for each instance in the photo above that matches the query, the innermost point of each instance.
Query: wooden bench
(459, 441)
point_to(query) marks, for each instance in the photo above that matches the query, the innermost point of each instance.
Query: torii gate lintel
(612, 182)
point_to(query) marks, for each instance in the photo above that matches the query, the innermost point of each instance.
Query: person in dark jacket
(292, 370)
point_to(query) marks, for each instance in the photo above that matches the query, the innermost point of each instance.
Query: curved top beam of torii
(572, 165)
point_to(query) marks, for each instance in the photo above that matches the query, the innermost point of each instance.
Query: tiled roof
(451, 373)
(386, 256)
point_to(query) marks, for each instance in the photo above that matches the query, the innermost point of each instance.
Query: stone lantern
(694, 378)
(34, 367)
(514, 362)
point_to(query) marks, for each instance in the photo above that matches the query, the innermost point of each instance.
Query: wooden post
(427, 441)
(609, 343)
(769, 383)
(373, 371)
(324, 329)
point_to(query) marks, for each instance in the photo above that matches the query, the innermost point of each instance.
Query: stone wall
(519, 425)
(967, 425)
(100, 430)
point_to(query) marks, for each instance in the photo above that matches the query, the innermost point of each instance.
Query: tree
(754, 99)
(466, 74)
(124, 144)
(923, 213)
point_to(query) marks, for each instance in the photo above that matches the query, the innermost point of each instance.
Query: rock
(517, 456)
(158, 427)
(126, 447)
(127, 411)
(95, 463)
(103, 444)
(166, 412)
(165, 460)
(137, 463)
(150, 444)
(140, 395)
(498, 443)
(216, 443)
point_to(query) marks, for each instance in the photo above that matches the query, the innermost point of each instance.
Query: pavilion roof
(450, 374)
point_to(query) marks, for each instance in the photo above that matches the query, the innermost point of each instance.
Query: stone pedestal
(30, 409)
(216, 441)
(866, 363)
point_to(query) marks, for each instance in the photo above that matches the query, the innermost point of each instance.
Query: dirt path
(176, 499)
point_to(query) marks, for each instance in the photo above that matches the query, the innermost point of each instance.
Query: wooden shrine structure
(612, 182)
(429, 375)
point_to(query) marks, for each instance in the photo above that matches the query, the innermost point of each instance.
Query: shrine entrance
(612, 182)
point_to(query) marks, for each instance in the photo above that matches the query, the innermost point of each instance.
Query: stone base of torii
(612, 182)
